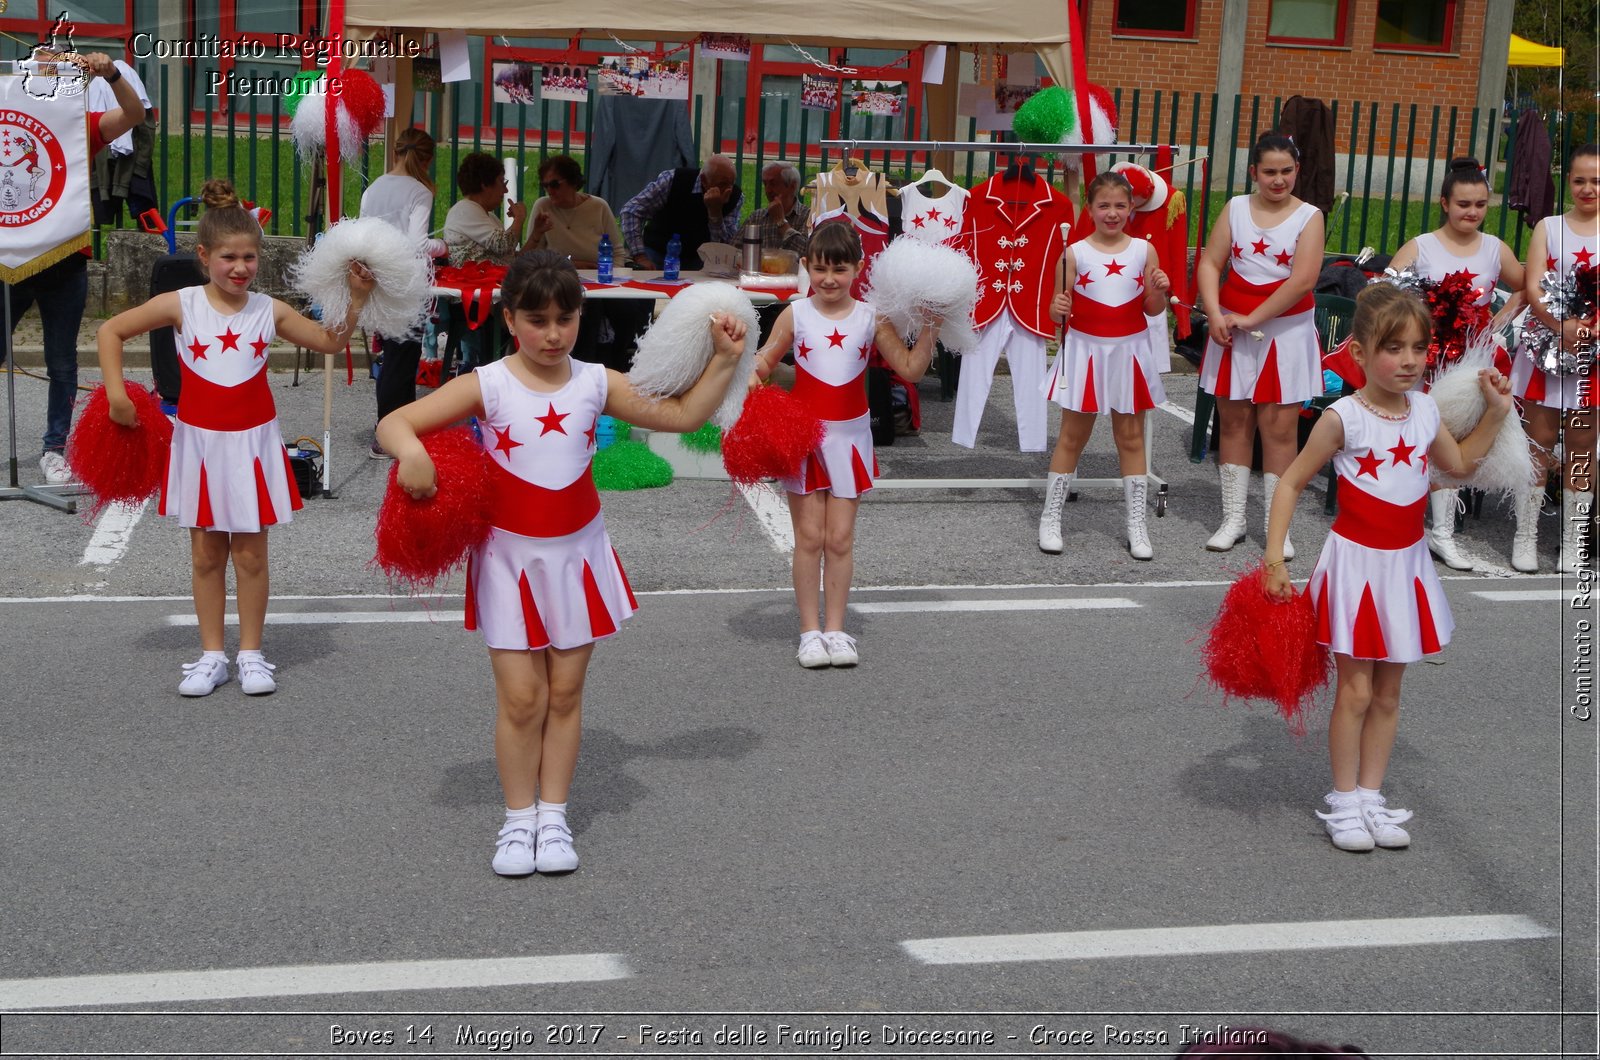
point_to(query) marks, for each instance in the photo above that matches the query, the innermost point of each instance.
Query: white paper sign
(455, 62)
(933, 57)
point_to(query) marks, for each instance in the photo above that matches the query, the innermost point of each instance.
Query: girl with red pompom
(832, 336)
(1377, 599)
(1460, 245)
(547, 584)
(228, 477)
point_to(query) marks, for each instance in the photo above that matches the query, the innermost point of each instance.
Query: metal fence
(1391, 156)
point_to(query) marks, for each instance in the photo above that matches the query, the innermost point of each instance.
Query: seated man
(697, 205)
(784, 220)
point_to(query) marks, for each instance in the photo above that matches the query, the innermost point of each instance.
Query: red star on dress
(836, 339)
(1259, 246)
(589, 434)
(865, 346)
(1140, 281)
(933, 214)
(1549, 264)
(1283, 257)
(1402, 452)
(198, 348)
(260, 346)
(1115, 268)
(229, 340)
(551, 421)
(1424, 462)
(801, 350)
(1582, 257)
(1238, 251)
(1369, 465)
(1465, 274)
(950, 223)
(503, 440)
(1083, 280)
(919, 220)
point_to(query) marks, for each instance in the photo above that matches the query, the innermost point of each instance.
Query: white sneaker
(555, 853)
(1384, 823)
(201, 678)
(841, 648)
(255, 675)
(513, 849)
(56, 471)
(1345, 825)
(813, 653)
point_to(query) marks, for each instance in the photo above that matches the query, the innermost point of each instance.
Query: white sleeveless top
(1264, 255)
(1566, 249)
(932, 220)
(1435, 262)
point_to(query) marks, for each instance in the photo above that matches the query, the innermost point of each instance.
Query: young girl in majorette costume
(832, 336)
(1377, 599)
(1106, 285)
(228, 477)
(547, 585)
(1263, 358)
(1553, 403)
(1457, 246)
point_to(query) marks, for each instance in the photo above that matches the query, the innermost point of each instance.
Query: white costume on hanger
(932, 220)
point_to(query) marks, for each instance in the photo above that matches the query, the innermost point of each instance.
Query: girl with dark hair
(1378, 601)
(228, 476)
(547, 584)
(1562, 404)
(1460, 245)
(1263, 358)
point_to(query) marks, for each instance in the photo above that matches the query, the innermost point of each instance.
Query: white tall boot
(1525, 542)
(1269, 486)
(1577, 515)
(1235, 479)
(1055, 495)
(1135, 492)
(1442, 534)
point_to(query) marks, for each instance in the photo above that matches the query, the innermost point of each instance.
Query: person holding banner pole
(61, 290)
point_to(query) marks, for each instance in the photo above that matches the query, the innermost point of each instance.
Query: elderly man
(784, 219)
(697, 205)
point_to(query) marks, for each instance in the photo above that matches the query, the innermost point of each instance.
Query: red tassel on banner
(1259, 648)
(422, 541)
(116, 463)
(772, 437)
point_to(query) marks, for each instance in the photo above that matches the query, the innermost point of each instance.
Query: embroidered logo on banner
(44, 179)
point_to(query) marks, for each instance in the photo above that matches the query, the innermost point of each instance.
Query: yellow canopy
(1527, 53)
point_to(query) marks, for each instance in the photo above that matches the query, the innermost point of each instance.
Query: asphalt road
(1024, 813)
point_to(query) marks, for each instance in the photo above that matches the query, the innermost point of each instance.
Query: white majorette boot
(1577, 514)
(1442, 534)
(1235, 480)
(1135, 492)
(1269, 486)
(1525, 542)
(1055, 495)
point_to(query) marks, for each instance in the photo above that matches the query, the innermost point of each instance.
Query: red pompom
(1101, 96)
(363, 97)
(117, 463)
(1457, 317)
(773, 436)
(422, 541)
(1259, 648)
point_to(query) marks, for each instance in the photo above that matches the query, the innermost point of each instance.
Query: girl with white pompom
(832, 336)
(228, 478)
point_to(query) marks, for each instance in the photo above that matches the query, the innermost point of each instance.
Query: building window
(1153, 18)
(1309, 22)
(1416, 25)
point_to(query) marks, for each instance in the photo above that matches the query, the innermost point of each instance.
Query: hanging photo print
(425, 75)
(877, 97)
(643, 78)
(513, 83)
(819, 93)
(734, 46)
(569, 83)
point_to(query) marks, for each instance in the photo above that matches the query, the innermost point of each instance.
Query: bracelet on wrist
(114, 76)
(1276, 563)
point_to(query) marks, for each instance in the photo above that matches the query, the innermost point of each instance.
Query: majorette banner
(44, 177)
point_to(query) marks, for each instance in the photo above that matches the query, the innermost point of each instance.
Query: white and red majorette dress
(929, 219)
(1284, 366)
(1374, 589)
(228, 470)
(548, 575)
(1565, 250)
(830, 362)
(1107, 363)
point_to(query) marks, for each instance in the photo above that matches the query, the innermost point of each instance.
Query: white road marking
(1523, 595)
(143, 988)
(1223, 938)
(772, 512)
(959, 483)
(330, 618)
(904, 606)
(112, 534)
(1186, 415)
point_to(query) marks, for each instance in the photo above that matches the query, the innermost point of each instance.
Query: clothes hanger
(937, 177)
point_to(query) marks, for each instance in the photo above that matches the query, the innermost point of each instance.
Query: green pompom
(707, 439)
(630, 466)
(621, 430)
(1048, 117)
(304, 85)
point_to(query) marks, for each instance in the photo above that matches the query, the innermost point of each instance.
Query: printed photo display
(642, 77)
(877, 97)
(569, 83)
(734, 46)
(513, 83)
(819, 93)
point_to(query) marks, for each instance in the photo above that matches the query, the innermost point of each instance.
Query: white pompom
(1104, 133)
(1508, 467)
(674, 352)
(309, 126)
(910, 276)
(398, 307)
(351, 140)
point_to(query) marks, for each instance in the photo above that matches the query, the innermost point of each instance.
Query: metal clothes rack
(1158, 485)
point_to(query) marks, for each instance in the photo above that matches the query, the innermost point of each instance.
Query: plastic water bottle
(669, 268)
(603, 262)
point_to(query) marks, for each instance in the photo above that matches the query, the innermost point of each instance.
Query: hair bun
(218, 194)
(1457, 164)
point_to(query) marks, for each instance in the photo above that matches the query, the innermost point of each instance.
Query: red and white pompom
(120, 464)
(1259, 648)
(339, 124)
(397, 308)
(772, 437)
(674, 352)
(1103, 126)
(421, 541)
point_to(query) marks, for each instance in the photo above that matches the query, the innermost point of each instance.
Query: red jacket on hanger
(1012, 233)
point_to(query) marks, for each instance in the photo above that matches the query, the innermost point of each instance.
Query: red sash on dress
(524, 508)
(1242, 296)
(204, 404)
(1376, 523)
(831, 402)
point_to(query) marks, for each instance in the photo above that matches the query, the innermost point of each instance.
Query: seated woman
(474, 233)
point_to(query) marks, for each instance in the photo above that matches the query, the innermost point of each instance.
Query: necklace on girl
(1382, 415)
